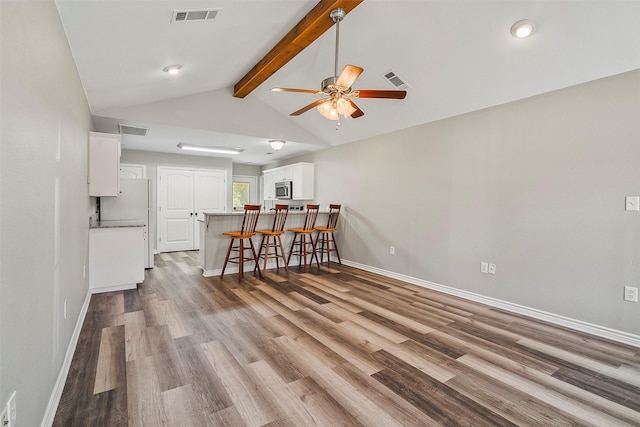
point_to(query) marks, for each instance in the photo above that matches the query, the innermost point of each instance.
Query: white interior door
(183, 195)
(132, 171)
(210, 194)
(175, 210)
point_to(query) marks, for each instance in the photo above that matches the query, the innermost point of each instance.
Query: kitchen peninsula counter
(213, 245)
(116, 224)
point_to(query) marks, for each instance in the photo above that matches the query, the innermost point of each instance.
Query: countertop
(117, 224)
(261, 213)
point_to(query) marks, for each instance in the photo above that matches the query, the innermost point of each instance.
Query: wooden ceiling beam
(312, 26)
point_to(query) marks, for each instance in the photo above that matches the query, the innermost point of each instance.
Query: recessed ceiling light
(523, 29)
(219, 150)
(172, 69)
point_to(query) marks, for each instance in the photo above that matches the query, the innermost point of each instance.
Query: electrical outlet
(630, 294)
(632, 203)
(492, 268)
(11, 410)
(484, 267)
(392, 250)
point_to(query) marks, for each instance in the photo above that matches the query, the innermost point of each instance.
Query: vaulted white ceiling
(458, 56)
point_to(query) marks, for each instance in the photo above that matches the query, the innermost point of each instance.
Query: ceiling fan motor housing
(329, 86)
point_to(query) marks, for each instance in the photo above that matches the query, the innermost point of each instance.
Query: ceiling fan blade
(358, 112)
(348, 75)
(385, 94)
(289, 89)
(308, 107)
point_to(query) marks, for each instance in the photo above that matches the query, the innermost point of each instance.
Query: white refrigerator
(132, 204)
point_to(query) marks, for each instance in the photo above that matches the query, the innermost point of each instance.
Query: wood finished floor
(339, 347)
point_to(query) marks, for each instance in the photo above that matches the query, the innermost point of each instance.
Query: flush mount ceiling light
(219, 150)
(276, 144)
(523, 29)
(172, 69)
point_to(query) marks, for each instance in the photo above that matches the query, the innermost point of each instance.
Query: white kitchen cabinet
(116, 258)
(303, 181)
(269, 185)
(302, 175)
(284, 173)
(104, 164)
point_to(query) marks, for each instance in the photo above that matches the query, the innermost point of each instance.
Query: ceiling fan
(337, 90)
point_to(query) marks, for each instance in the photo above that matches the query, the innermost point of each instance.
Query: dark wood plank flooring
(332, 347)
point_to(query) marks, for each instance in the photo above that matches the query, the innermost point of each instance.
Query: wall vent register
(132, 130)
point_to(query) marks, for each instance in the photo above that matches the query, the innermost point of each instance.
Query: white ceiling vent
(132, 130)
(395, 80)
(194, 15)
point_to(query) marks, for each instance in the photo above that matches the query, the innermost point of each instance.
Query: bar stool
(247, 231)
(273, 239)
(325, 235)
(303, 233)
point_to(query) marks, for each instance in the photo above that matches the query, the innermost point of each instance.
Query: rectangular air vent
(132, 130)
(193, 15)
(395, 80)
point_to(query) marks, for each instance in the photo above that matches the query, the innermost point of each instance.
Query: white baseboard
(56, 394)
(113, 288)
(578, 325)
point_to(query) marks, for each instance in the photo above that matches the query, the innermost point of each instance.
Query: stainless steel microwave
(284, 190)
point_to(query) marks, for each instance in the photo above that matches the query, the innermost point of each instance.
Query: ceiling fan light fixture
(276, 144)
(523, 29)
(328, 110)
(344, 107)
(331, 108)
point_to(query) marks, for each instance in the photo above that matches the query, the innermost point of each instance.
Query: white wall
(535, 186)
(45, 123)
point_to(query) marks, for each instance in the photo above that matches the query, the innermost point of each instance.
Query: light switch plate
(484, 267)
(632, 203)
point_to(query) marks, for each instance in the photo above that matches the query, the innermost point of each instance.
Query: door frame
(253, 187)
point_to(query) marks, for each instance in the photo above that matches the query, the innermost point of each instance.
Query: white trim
(114, 288)
(253, 186)
(56, 393)
(211, 273)
(578, 325)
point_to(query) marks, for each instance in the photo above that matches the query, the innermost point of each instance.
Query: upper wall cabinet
(302, 175)
(104, 164)
(303, 181)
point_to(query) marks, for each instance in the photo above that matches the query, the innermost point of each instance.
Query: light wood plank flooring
(338, 347)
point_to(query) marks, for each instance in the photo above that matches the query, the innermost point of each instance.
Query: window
(241, 191)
